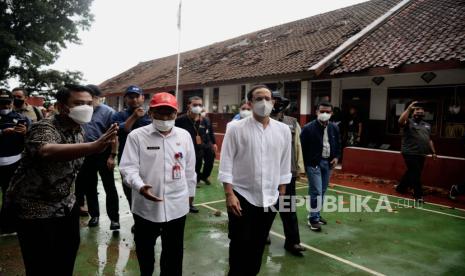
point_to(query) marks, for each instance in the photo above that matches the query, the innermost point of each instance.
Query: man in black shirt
(203, 137)
(416, 144)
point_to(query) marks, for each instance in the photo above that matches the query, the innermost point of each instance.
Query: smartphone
(21, 122)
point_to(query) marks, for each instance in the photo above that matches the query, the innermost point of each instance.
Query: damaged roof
(284, 49)
(424, 31)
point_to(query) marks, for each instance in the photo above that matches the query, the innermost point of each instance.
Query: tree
(32, 34)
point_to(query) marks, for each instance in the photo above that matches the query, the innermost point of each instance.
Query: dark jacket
(202, 128)
(12, 144)
(311, 140)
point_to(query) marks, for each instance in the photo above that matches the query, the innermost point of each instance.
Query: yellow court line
(314, 249)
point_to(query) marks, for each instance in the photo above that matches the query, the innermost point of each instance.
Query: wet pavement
(403, 241)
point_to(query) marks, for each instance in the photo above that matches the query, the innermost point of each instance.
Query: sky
(125, 33)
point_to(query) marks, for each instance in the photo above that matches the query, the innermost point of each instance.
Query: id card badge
(198, 140)
(176, 171)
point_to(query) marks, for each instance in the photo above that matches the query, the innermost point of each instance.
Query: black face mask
(418, 117)
(18, 102)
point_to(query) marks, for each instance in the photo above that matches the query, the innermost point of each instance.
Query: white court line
(403, 205)
(363, 190)
(378, 193)
(316, 250)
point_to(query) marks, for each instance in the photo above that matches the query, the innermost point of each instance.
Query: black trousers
(412, 177)
(6, 173)
(248, 234)
(87, 182)
(49, 246)
(172, 242)
(290, 223)
(204, 155)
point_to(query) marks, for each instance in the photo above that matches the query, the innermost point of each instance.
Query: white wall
(229, 95)
(207, 98)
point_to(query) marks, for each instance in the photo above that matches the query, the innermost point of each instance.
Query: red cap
(164, 99)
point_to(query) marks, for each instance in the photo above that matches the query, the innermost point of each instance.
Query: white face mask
(81, 114)
(162, 125)
(4, 111)
(263, 108)
(324, 117)
(245, 113)
(196, 109)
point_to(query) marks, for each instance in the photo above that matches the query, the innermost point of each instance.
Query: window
(444, 108)
(321, 91)
(216, 99)
(292, 92)
(243, 93)
(453, 119)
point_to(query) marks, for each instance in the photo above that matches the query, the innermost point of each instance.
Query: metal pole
(179, 49)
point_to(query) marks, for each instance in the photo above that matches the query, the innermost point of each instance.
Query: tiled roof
(284, 49)
(424, 31)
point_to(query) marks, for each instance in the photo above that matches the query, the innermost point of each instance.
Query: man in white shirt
(158, 163)
(254, 168)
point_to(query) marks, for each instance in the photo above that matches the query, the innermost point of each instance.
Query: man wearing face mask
(244, 112)
(416, 144)
(289, 217)
(13, 127)
(20, 96)
(133, 117)
(101, 163)
(255, 167)
(159, 165)
(321, 149)
(203, 138)
(42, 189)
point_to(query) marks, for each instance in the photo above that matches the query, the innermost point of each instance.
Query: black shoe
(93, 222)
(114, 225)
(268, 240)
(295, 249)
(453, 193)
(132, 229)
(322, 221)
(206, 181)
(314, 226)
(193, 209)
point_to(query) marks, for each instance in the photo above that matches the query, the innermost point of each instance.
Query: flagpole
(179, 49)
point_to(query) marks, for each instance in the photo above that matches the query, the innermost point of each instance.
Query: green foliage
(32, 34)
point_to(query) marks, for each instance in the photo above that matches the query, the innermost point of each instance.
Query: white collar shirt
(149, 158)
(256, 160)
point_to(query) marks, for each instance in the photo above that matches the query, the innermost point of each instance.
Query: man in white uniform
(158, 163)
(255, 164)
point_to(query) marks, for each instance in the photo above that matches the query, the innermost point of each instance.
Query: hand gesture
(233, 205)
(9, 130)
(139, 112)
(108, 137)
(333, 163)
(410, 107)
(20, 129)
(111, 163)
(145, 191)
